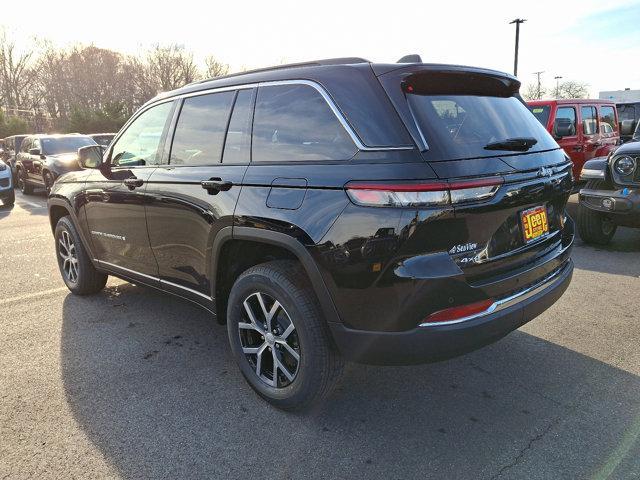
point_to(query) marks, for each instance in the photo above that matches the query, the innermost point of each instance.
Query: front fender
(594, 169)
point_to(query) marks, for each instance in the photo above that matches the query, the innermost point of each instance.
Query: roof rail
(313, 63)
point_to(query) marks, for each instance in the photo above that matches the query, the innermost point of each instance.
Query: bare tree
(17, 74)
(215, 68)
(171, 67)
(572, 89)
(532, 92)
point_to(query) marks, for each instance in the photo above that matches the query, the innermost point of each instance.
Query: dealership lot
(133, 383)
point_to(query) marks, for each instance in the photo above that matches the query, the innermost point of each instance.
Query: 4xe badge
(463, 247)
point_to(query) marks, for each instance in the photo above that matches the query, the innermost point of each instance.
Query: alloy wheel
(269, 340)
(68, 254)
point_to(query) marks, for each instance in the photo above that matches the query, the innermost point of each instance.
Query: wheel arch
(272, 245)
(58, 208)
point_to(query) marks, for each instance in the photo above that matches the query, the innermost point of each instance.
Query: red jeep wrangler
(583, 128)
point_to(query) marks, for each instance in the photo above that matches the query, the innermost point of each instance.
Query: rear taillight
(416, 194)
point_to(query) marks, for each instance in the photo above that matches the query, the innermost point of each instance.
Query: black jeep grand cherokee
(381, 213)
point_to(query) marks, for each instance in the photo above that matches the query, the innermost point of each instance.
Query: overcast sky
(597, 42)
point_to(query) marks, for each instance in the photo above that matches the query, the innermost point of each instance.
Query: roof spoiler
(413, 58)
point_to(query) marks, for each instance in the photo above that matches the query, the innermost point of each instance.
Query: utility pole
(557, 79)
(539, 86)
(517, 21)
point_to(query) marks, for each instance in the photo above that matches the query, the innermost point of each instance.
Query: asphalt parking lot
(132, 383)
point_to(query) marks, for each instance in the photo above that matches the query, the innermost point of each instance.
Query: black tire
(593, 226)
(23, 184)
(47, 178)
(319, 365)
(81, 278)
(10, 199)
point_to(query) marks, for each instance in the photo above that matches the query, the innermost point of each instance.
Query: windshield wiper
(519, 144)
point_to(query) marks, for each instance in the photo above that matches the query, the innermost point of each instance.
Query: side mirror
(562, 129)
(34, 151)
(627, 127)
(90, 156)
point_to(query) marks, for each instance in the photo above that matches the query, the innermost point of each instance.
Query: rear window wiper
(519, 144)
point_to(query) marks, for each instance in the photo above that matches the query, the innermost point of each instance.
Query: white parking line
(28, 296)
(31, 204)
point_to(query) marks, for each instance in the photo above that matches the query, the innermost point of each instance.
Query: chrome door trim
(151, 277)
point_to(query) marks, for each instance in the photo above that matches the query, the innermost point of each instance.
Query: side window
(26, 145)
(294, 123)
(565, 123)
(589, 120)
(237, 148)
(607, 119)
(199, 134)
(139, 145)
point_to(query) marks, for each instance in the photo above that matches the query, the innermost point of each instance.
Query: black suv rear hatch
(471, 124)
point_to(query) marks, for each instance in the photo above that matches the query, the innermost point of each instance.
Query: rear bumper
(431, 343)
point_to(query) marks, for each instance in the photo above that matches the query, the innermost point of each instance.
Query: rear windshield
(541, 112)
(55, 146)
(463, 126)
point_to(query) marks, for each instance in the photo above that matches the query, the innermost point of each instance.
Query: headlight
(625, 165)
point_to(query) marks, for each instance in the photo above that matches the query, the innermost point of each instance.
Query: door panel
(116, 194)
(571, 144)
(184, 218)
(194, 196)
(116, 219)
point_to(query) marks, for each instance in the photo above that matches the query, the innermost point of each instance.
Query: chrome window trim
(505, 302)
(315, 85)
(151, 277)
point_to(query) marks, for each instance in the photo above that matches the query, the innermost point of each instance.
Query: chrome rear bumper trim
(505, 302)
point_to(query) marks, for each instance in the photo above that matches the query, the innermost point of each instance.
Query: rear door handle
(133, 182)
(215, 185)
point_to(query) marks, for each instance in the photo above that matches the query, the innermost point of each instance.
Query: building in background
(621, 96)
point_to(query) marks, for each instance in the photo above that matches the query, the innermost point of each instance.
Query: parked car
(43, 158)
(11, 147)
(583, 128)
(418, 220)
(629, 114)
(611, 197)
(7, 194)
(103, 139)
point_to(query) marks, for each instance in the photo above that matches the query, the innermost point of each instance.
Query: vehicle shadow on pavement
(151, 381)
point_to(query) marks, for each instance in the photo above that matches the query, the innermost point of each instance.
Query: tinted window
(627, 112)
(294, 123)
(140, 143)
(607, 119)
(565, 122)
(589, 120)
(541, 112)
(461, 126)
(200, 130)
(237, 147)
(58, 145)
